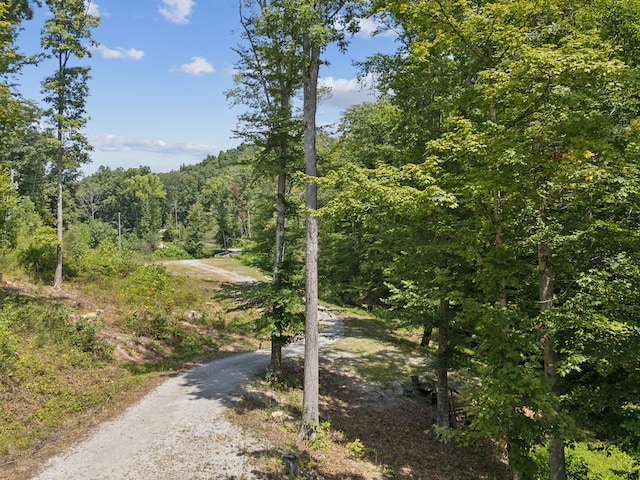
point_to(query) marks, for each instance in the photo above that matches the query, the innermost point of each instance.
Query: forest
(488, 199)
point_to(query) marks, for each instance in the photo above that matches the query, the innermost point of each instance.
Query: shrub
(38, 258)
(146, 323)
(106, 261)
(356, 447)
(84, 335)
(588, 462)
(147, 282)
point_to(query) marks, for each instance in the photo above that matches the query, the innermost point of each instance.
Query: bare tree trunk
(443, 411)
(57, 279)
(310, 410)
(557, 467)
(427, 329)
(278, 258)
(276, 354)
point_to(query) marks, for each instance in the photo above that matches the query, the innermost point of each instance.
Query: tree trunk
(310, 410)
(443, 411)
(276, 354)
(557, 466)
(278, 258)
(281, 213)
(427, 329)
(57, 279)
(502, 293)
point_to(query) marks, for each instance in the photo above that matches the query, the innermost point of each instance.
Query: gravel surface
(199, 264)
(178, 431)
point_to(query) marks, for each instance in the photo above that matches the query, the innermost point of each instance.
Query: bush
(147, 283)
(588, 462)
(106, 261)
(147, 323)
(38, 258)
(84, 335)
(171, 251)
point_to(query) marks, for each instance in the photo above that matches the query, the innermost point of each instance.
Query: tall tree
(16, 114)
(269, 77)
(532, 128)
(67, 36)
(312, 45)
(323, 23)
(146, 194)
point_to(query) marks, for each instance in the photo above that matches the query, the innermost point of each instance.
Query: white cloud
(177, 11)
(112, 143)
(368, 27)
(92, 8)
(347, 92)
(198, 66)
(129, 54)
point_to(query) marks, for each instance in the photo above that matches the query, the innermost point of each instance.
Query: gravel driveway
(178, 431)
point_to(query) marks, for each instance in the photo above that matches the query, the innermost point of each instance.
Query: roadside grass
(71, 359)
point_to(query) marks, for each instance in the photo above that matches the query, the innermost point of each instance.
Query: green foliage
(85, 336)
(147, 194)
(322, 436)
(9, 344)
(147, 323)
(282, 383)
(148, 284)
(281, 305)
(197, 225)
(8, 203)
(356, 447)
(105, 261)
(38, 257)
(171, 251)
(588, 462)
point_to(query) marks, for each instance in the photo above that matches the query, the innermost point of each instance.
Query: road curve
(199, 264)
(178, 431)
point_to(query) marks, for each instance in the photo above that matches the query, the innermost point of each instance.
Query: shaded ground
(373, 431)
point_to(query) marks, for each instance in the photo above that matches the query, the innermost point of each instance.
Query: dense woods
(488, 199)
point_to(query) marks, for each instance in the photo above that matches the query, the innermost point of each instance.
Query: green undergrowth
(61, 355)
(52, 369)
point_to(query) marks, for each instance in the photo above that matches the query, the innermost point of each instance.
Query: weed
(8, 348)
(322, 437)
(84, 335)
(356, 447)
(147, 323)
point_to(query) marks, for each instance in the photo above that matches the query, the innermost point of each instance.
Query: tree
(527, 141)
(196, 225)
(89, 199)
(8, 203)
(320, 27)
(67, 35)
(269, 77)
(146, 194)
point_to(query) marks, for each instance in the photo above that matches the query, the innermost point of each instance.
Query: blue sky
(159, 77)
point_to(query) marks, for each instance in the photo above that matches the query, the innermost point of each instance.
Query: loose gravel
(178, 431)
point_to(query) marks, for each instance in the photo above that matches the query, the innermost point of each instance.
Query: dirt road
(199, 264)
(178, 431)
